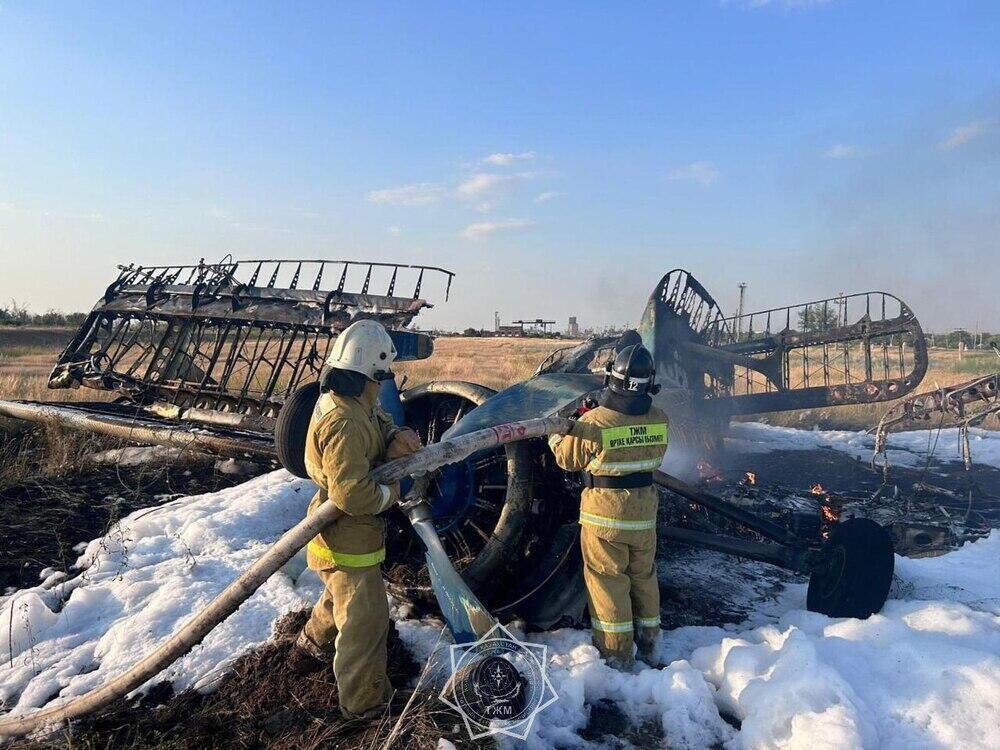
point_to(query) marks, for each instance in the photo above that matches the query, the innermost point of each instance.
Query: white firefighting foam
(908, 449)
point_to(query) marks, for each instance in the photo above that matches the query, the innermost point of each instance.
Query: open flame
(817, 489)
(751, 478)
(829, 513)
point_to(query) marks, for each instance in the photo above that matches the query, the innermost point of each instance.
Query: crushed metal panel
(541, 396)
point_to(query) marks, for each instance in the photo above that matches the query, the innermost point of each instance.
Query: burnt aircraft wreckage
(225, 357)
(963, 405)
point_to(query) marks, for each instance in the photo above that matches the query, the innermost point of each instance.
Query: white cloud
(482, 229)
(965, 133)
(486, 190)
(482, 191)
(393, 230)
(547, 196)
(418, 194)
(705, 173)
(841, 151)
(480, 184)
(505, 160)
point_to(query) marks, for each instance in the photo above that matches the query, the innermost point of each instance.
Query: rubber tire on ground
(855, 582)
(291, 427)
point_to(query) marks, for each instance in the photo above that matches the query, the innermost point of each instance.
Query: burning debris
(919, 523)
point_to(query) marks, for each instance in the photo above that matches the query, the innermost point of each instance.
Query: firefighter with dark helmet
(626, 444)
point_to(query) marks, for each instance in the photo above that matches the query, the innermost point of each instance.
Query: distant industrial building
(535, 328)
(573, 329)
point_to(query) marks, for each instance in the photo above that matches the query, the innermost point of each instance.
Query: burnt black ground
(840, 473)
(261, 703)
(43, 518)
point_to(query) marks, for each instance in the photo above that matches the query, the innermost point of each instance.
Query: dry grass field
(494, 362)
(27, 356)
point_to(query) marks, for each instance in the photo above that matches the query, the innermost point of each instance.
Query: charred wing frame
(222, 345)
(226, 343)
(852, 349)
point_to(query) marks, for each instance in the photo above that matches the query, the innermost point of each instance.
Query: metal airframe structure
(206, 355)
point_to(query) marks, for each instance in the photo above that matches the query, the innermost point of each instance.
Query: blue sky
(560, 157)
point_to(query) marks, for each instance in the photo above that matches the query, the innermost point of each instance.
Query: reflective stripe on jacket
(629, 444)
(347, 437)
(345, 559)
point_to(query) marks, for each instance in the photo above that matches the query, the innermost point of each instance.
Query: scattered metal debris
(919, 524)
(964, 405)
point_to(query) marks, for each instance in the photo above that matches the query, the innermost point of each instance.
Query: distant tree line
(950, 340)
(19, 315)
(817, 318)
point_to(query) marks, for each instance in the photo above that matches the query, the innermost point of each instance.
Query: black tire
(855, 579)
(291, 427)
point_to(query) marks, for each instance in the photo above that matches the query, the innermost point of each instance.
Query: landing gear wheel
(855, 580)
(291, 427)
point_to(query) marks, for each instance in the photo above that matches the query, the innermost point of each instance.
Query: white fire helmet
(363, 347)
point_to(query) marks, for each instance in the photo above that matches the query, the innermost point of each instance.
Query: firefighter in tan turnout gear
(348, 435)
(618, 506)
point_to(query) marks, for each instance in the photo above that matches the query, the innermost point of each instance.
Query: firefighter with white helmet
(348, 435)
(618, 505)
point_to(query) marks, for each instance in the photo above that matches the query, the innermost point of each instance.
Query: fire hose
(424, 460)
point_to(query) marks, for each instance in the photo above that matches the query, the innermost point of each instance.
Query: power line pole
(739, 310)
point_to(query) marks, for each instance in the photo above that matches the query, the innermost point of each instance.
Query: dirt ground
(261, 703)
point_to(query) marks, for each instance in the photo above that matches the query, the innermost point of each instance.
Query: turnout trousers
(351, 622)
(622, 591)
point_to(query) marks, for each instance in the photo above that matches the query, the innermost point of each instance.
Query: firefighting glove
(404, 442)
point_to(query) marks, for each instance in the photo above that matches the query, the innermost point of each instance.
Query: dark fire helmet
(632, 373)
